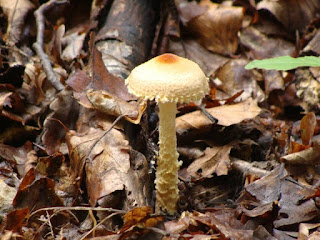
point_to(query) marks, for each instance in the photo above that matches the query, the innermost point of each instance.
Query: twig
(207, 114)
(38, 45)
(50, 225)
(14, 48)
(104, 134)
(95, 227)
(247, 168)
(78, 209)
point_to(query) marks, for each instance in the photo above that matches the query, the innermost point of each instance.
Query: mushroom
(168, 79)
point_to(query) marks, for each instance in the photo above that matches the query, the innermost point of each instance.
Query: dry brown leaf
(110, 104)
(36, 191)
(222, 225)
(107, 164)
(278, 187)
(216, 27)
(305, 157)
(7, 194)
(16, 11)
(104, 80)
(65, 109)
(215, 161)
(4, 99)
(293, 14)
(137, 219)
(304, 230)
(73, 45)
(191, 49)
(307, 126)
(226, 116)
(15, 220)
(24, 157)
(313, 45)
(235, 78)
(263, 46)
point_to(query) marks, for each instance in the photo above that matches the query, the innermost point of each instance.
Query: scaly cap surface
(168, 78)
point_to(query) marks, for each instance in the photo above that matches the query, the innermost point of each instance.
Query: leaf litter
(78, 152)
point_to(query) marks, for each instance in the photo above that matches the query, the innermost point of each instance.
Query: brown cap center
(167, 58)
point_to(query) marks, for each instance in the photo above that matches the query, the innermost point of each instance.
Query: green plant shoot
(284, 63)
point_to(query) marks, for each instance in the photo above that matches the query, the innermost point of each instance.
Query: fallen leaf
(15, 220)
(74, 43)
(7, 194)
(112, 105)
(277, 188)
(217, 27)
(308, 156)
(222, 225)
(226, 116)
(286, 12)
(191, 49)
(307, 88)
(106, 160)
(64, 113)
(16, 12)
(215, 161)
(36, 191)
(263, 46)
(304, 230)
(313, 45)
(104, 80)
(307, 126)
(137, 220)
(235, 78)
(24, 157)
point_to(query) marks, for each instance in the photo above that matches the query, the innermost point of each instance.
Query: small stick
(38, 45)
(97, 225)
(208, 115)
(78, 209)
(247, 168)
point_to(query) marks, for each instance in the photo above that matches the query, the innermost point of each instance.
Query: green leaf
(284, 63)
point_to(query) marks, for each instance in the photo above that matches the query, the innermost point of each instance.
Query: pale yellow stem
(167, 193)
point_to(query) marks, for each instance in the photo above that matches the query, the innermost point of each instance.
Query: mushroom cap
(168, 78)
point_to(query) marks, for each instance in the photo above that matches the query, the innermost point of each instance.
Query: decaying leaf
(262, 46)
(226, 115)
(215, 25)
(103, 80)
(64, 109)
(307, 127)
(191, 49)
(235, 78)
(216, 160)
(36, 191)
(137, 220)
(277, 188)
(222, 225)
(16, 12)
(7, 194)
(106, 159)
(305, 157)
(113, 105)
(15, 219)
(287, 12)
(74, 43)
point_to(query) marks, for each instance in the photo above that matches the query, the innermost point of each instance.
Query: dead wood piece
(247, 168)
(125, 39)
(38, 45)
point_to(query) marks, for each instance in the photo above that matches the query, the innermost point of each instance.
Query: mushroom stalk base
(167, 192)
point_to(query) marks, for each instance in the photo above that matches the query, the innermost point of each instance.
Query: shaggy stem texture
(167, 192)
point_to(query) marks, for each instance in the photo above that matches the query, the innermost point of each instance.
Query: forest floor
(78, 153)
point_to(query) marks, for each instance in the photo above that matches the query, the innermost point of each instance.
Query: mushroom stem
(167, 192)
